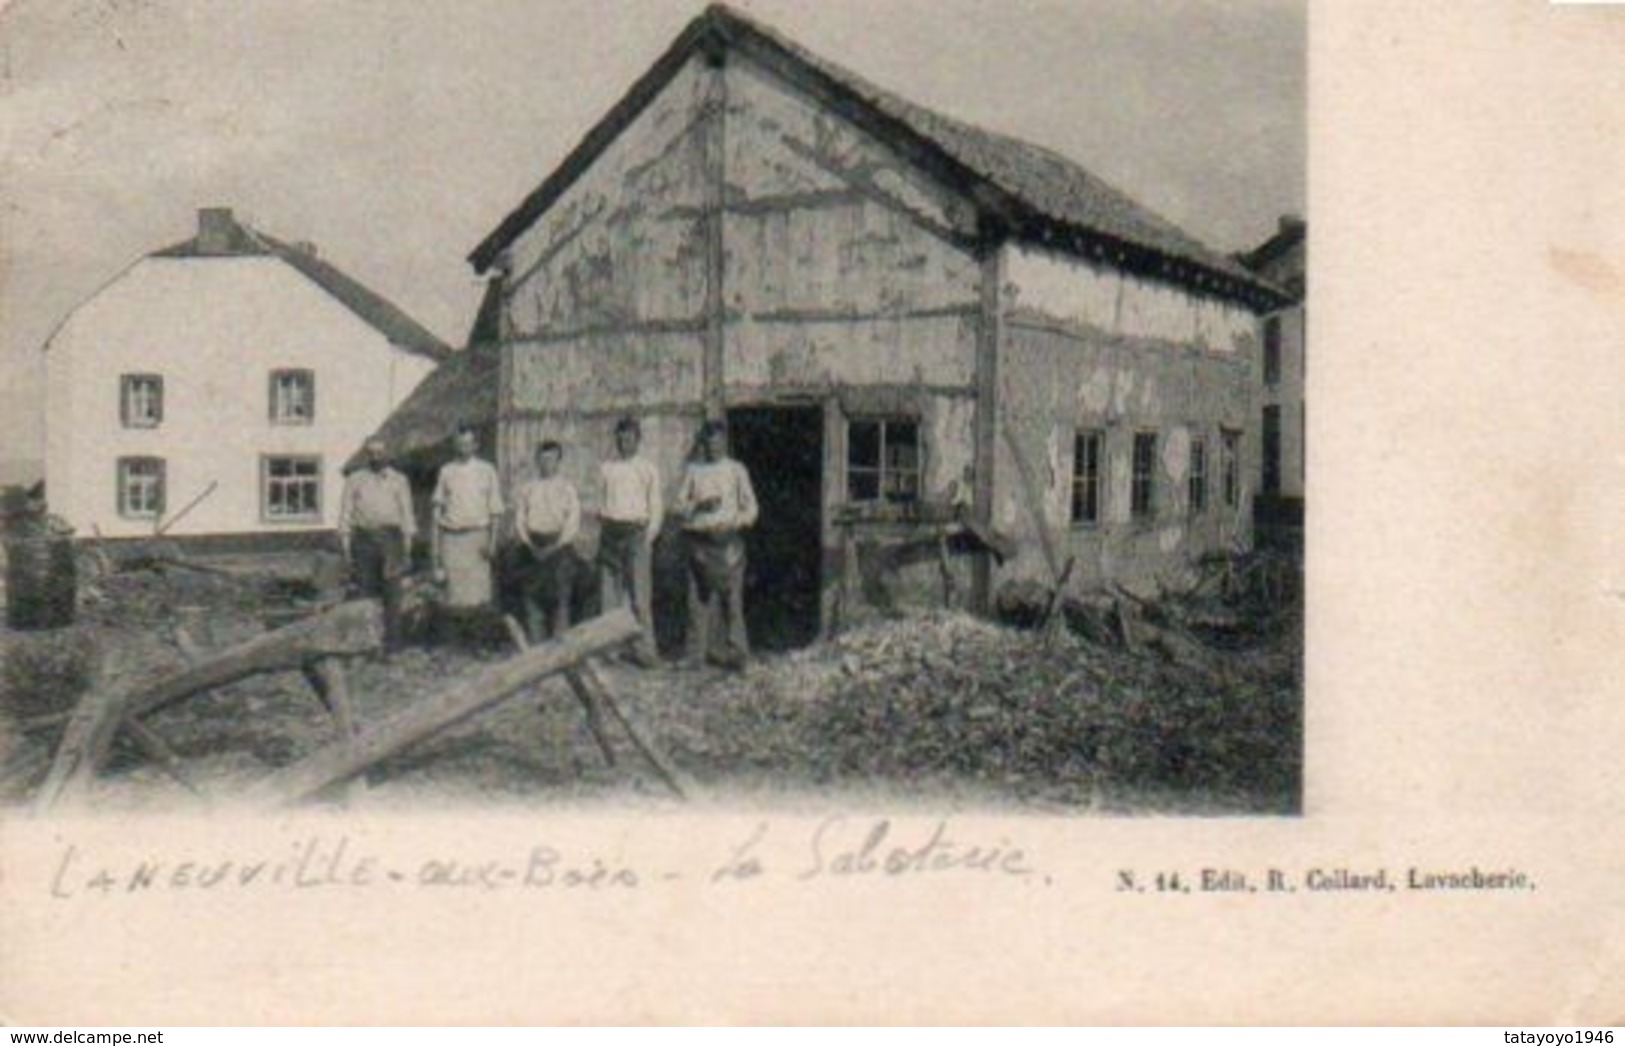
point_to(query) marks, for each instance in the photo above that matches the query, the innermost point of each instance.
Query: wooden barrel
(42, 581)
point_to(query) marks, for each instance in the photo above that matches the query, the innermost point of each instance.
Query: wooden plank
(347, 757)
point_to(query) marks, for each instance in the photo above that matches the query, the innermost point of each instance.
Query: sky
(395, 134)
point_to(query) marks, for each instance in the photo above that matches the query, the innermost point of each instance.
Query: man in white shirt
(630, 514)
(467, 515)
(375, 527)
(716, 502)
(547, 517)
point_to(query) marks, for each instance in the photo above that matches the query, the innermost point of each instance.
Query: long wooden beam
(347, 757)
(350, 628)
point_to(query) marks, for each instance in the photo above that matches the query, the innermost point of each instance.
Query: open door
(783, 447)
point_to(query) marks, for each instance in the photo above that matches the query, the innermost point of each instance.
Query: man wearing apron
(467, 514)
(716, 502)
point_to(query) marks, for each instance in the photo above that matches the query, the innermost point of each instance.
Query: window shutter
(124, 401)
(310, 396)
(270, 397)
(157, 400)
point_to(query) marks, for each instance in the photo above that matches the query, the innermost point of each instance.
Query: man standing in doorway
(716, 502)
(467, 514)
(375, 533)
(547, 517)
(630, 514)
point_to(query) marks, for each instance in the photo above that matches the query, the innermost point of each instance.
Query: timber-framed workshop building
(905, 320)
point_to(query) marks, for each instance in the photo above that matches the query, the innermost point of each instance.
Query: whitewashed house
(217, 388)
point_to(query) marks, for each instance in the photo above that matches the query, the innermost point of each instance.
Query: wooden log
(349, 756)
(352, 628)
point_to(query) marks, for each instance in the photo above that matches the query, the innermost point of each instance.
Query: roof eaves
(1004, 210)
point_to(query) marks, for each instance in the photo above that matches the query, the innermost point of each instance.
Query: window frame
(1273, 337)
(126, 388)
(274, 401)
(1196, 482)
(881, 471)
(1093, 481)
(1230, 465)
(121, 477)
(266, 516)
(1143, 486)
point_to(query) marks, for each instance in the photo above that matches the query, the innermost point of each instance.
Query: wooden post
(349, 756)
(327, 677)
(588, 676)
(715, 167)
(595, 716)
(989, 336)
(595, 719)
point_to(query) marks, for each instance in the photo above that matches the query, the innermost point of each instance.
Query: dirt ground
(940, 708)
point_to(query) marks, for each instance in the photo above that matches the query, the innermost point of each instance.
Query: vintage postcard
(544, 512)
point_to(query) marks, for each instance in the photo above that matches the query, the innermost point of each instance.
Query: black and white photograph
(648, 512)
(759, 414)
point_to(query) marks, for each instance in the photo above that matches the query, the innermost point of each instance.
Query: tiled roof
(379, 312)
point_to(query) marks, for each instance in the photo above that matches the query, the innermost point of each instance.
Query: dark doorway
(783, 447)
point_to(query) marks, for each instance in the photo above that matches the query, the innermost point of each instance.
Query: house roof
(1024, 191)
(1280, 257)
(377, 311)
(462, 390)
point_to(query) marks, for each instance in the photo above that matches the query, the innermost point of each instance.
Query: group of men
(715, 503)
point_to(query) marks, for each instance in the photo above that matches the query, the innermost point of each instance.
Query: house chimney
(306, 248)
(216, 230)
(1290, 223)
